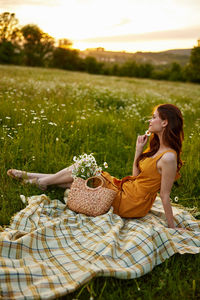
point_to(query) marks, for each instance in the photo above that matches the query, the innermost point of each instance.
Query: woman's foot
(17, 174)
(36, 182)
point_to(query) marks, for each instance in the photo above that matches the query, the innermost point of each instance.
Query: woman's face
(156, 124)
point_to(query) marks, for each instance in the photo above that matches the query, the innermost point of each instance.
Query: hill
(180, 56)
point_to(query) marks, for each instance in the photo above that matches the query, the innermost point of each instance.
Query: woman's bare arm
(140, 143)
(168, 166)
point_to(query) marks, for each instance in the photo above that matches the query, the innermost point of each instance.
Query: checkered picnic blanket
(49, 251)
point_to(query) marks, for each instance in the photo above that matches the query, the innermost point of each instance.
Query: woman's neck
(162, 146)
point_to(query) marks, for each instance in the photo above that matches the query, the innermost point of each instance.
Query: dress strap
(161, 154)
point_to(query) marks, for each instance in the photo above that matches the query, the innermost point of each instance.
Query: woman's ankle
(42, 182)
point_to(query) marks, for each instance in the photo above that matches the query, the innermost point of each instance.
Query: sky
(116, 25)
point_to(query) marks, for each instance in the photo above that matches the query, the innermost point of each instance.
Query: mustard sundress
(136, 194)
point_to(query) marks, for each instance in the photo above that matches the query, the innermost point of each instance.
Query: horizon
(139, 51)
(125, 26)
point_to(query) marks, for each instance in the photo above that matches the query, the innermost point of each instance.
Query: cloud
(177, 34)
(194, 3)
(18, 3)
(123, 22)
(84, 1)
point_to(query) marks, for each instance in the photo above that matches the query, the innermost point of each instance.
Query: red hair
(173, 134)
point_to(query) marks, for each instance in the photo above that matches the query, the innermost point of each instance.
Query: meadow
(47, 116)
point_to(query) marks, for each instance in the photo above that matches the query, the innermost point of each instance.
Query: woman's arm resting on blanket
(168, 211)
(168, 166)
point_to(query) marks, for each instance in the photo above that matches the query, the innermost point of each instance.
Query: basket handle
(95, 188)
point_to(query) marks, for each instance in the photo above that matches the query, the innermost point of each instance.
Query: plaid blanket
(49, 251)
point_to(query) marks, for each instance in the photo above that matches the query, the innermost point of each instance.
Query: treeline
(30, 46)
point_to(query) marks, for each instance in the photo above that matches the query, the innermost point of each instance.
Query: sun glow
(154, 46)
(81, 21)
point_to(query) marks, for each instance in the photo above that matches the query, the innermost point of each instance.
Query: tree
(175, 72)
(66, 58)
(192, 71)
(145, 70)
(6, 52)
(8, 28)
(92, 66)
(38, 46)
(10, 38)
(115, 70)
(64, 43)
(129, 68)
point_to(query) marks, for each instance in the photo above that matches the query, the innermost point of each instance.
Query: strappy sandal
(11, 174)
(35, 182)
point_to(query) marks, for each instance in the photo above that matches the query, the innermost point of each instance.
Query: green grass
(47, 116)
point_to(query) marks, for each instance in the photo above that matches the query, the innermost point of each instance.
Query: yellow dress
(136, 194)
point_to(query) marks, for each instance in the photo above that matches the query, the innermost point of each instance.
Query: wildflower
(105, 165)
(23, 198)
(53, 124)
(147, 132)
(57, 139)
(176, 199)
(86, 166)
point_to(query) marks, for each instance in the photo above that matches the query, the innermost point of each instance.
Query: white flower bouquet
(86, 166)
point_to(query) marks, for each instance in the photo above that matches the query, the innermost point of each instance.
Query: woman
(154, 170)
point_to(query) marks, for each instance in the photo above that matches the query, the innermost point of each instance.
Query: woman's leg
(19, 174)
(62, 178)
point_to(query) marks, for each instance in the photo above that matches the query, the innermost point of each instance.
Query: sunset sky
(118, 25)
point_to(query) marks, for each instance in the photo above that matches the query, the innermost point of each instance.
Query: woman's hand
(141, 142)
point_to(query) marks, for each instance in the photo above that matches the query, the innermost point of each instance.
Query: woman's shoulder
(168, 162)
(169, 154)
(169, 157)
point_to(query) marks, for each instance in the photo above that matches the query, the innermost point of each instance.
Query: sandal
(11, 173)
(36, 183)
